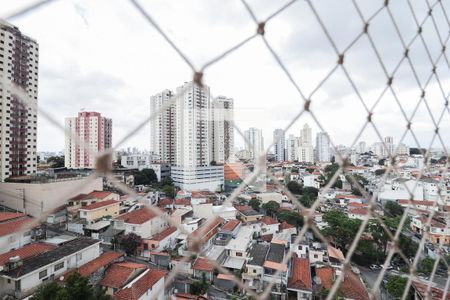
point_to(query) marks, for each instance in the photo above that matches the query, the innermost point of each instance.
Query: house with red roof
(203, 266)
(166, 239)
(202, 237)
(269, 225)
(147, 285)
(15, 231)
(120, 274)
(144, 222)
(299, 281)
(285, 227)
(98, 210)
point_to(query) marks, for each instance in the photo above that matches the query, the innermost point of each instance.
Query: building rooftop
(38, 261)
(276, 253)
(25, 252)
(98, 205)
(230, 225)
(301, 274)
(257, 254)
(138, 216)
(118, 274)
(139, 286)
(268, 220)
(7, 216)
(203, 264)
(100, 194)
(234, 263)
(15, 225)
(162, 235)
(101, 261)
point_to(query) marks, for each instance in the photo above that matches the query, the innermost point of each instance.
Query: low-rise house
(146, 286)
(143, 222)
(98, 210)
(119, 274)
(299, 282)
(318, 253)
(58, 215)
(225, 282)
(75, 203)
(301, 249)
(254, 268)
(202, 237)
(15, 231)
(358, 213)
(285, 227)
(160, 241)
(269, 225)
(274, 263)
(267, 197)
(438, 231)
(24, 252)
(203, 267)
(248, 214)
(21, 277)
(228, 230)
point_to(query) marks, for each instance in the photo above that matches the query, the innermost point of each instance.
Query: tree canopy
(145, 176)
(130, 243)
(396, 286)
(255, 204)
(56, 161)
(76, 288)
(393, 208)
(294, 187)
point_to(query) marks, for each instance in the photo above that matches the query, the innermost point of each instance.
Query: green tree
(130, 242)
(56, 161)
(255, 204)
(340, 229)
(396, 286)
(271, 207)
(291, 217)
(199, 287)
(426, 265)
(145, 176)
(393, 208)
(294, 187)
(329, 171)
(77, 288)
(408, 246)
(380, 172)
(169, 190)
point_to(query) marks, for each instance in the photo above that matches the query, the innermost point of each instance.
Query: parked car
(375, 267)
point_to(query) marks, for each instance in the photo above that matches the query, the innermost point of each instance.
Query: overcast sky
(103, 56)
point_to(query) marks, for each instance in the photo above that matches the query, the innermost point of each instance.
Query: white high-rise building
(305, 154)
(361, 147)
(19, 56)
(306, 135)
(255, 142)
(162, 126)
(192, 125)
(323, 147)
(222, 130)
(190, 133)
(87, 135)
(292, 144)
(402, 149)
(279, 148)
(378, 149)
(389, 146)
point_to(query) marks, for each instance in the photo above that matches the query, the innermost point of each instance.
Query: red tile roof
(99, 204)
(162, 235)
(99, 194)
(183, 296)
(119, 274)
(416, 202)
(268, 220)
(347, 196)
(356, 204)
(326, 275)
(230, 225)
(81, 197)
(101, 261)
(286, 225)
(141, 285)
(183, 201)
(26, 251)
(358, 211)
(243, 208)
(138, 216)
(352, 287)
(207, 227)
(10, 227)
(203, 264)
(434, 293)
(165, 201)
(301, 274)
(267, 237)
(6, 216)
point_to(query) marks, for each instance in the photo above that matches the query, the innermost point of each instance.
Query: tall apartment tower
(86, 136)
(279, 146)
(222, 129)
(162, 126)
(19, 56)
(255, 143)
(305, 150)
(323, 147)
(390, 148)
(192, 125)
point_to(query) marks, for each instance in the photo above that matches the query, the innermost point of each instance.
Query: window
(42, 274)
(79, 256)
(238, 253)
(316, 256)
(59, 266)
